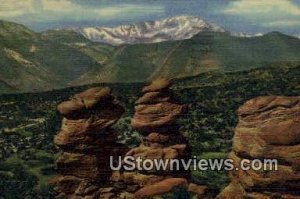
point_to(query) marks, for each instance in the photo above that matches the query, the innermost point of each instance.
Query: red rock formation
(161, 187)
(155, 117)
(268, 128)
(87, 142)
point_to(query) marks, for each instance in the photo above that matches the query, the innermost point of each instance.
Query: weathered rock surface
(161, 187)
(88, 142)
(80, 165)
(150, 117)
(159, 140)
(172, 152)
(199, 190)
(268, 128)
(153, 97)
(141, 179)
(157, 85)
(89, 121)
(155, 117)
(66, 184)
(95, 96)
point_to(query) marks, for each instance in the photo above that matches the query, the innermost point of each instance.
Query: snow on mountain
(241, 34)
(175, 28)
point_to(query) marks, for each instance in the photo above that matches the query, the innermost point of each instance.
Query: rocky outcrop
(268, 128)
(87, 142)
(155, 117)
(161, 187)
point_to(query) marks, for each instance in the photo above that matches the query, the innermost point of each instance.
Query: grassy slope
(133, 63)
(15, 71)
(202, 53)
(98, 51)
(212, 51)
(30, 61)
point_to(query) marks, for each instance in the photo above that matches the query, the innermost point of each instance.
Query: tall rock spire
(268, 128)
(155, 118)
(87, 141)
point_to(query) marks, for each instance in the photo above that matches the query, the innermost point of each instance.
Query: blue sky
(249, 16)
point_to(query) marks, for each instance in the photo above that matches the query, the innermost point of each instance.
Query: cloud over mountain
(275, 13)
(35, 11)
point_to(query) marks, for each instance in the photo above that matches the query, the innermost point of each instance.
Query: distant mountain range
(31, 61)
(175, 28)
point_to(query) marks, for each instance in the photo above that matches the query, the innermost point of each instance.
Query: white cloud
(50, 10)
(58, 5)
(266, 13)
(262, 7)
(128, 9)
(14, 8)
(282, 23)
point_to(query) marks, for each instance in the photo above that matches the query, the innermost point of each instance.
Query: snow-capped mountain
(175, 28)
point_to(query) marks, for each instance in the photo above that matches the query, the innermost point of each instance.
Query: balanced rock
(85, 100)
(71, 107)
(155, 109)
(268, 128)
(98, 113)
(95, 96)
(87, 141)
(93, 120)
(155, 118)
(157, 85)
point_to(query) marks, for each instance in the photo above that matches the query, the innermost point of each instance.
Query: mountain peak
(173, 28)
